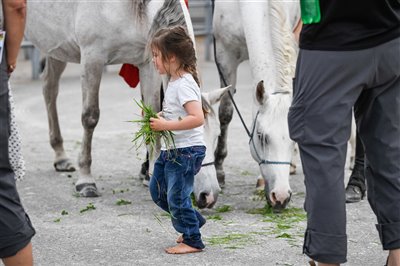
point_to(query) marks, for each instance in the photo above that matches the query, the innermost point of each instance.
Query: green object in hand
(310, 11)
(145, 135)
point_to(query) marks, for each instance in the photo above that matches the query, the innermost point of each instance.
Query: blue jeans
(171, 186)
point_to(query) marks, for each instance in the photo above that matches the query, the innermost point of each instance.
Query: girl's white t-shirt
(178, 93)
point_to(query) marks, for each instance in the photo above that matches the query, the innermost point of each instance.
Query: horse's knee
(225, 119)
(225, 113)
(90, 118)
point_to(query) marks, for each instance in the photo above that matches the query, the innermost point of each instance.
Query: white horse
(95, 34)
(262, 32)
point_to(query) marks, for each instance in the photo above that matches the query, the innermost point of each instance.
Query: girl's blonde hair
(175, 41)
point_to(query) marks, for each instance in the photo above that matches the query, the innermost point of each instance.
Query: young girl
(172, 182)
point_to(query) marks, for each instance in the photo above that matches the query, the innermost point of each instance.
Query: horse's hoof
(221, 178)
(142, 176)
(144, 171)
(146, 180)
(87, 190)
(64, 165)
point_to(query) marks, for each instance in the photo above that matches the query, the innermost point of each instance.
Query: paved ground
(136, 234)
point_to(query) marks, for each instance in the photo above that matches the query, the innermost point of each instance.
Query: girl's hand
(158, 124)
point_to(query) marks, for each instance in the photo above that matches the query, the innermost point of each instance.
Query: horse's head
(271, 146)
(206, 187)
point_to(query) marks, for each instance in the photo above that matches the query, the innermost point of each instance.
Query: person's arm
(195, 118)
(297, 30)
(14, 22)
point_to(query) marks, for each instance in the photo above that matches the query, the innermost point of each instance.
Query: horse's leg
(144, 170)
(151, 91)
(228, 69)
(91, 76)
(51, 77)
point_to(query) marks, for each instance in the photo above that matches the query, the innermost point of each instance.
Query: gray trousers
(16, 229)
(327, 85)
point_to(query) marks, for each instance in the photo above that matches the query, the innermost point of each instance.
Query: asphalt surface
(99, 231)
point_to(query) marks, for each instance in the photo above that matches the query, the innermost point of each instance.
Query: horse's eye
(264, 140)
(260, 136)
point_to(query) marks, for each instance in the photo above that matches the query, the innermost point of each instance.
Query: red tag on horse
(130, 74)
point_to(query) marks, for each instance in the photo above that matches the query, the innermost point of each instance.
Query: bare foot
(182, 248)
(179, 239)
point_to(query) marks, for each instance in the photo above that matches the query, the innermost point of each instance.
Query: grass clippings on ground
(89, 207)
(223, 208)
(230, 241)
(122, 202)
(287, 224)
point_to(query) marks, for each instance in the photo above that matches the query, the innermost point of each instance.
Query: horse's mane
(284, 46)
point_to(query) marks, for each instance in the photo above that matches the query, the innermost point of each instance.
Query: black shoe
(353, 194)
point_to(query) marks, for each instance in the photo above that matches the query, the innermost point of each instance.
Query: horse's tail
(169, 15)
(139, 9)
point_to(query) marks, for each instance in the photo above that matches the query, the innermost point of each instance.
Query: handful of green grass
(146, 135)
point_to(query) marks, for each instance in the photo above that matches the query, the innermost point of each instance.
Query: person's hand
(11, 68)
(158, 124)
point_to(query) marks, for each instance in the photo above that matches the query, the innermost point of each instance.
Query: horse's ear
(260, 92)
(215, 95)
